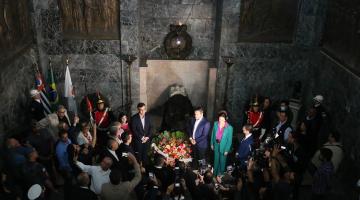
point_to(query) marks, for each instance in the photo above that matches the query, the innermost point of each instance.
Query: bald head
(106, 163)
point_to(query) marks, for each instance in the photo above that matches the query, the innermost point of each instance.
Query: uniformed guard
(103, 117)
(255, 118)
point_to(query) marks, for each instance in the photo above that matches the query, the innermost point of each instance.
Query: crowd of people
(106, 158)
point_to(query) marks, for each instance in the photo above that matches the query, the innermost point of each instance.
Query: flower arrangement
(172, 145)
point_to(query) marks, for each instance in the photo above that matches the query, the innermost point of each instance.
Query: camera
(151, 175)
(178, 174)
(229, 169)
(258, 155)
(203, 166)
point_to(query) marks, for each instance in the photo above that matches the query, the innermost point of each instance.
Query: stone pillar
(129, 19)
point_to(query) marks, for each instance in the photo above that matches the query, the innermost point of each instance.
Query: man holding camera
(118, 188)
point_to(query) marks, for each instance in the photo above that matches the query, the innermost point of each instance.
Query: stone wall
(144, 25)
(156, 17)
(267, 69)
(16, 80)
(94, 64)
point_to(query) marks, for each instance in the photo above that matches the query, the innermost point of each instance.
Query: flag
(69, 92)
(52, 92)
(40, 86)
(90, 109)
(88, 104)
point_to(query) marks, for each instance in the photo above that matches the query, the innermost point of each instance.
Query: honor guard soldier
(255, 118)
(103, 117)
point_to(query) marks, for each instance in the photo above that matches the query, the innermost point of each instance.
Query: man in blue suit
(245, 146)
(198, 131)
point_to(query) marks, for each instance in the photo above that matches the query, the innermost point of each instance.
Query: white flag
(69, 89)
(69, 92)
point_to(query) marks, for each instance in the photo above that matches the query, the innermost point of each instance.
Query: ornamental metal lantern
(178, 43)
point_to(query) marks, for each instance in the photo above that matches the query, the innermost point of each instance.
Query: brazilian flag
(52, 93)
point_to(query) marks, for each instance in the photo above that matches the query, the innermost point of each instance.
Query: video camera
(258, 154)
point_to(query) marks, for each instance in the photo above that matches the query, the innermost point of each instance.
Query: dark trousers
(141, 151)
(199, 153)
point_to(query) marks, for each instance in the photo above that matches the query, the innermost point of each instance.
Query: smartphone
(124, 154)
(151, 175)
(283, 147)
(177, 184)
(229, 168)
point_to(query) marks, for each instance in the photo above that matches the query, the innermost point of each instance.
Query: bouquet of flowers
(172, 145)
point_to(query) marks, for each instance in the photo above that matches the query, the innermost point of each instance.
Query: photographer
(256, 181)
(190, 179)
(119, 188)
(227, 184)
(161, 172)
(281, 174)
(298, 161)
(206, 187)
(152, 190)
(177, 191)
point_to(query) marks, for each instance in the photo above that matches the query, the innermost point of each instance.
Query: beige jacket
(51, 122)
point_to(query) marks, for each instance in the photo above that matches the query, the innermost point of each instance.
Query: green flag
(53, 95)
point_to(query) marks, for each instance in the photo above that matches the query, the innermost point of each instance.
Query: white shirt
(81, 139)
(195, 127)
(98, 176)
(246, 137)
(143, 121)
(113, 153)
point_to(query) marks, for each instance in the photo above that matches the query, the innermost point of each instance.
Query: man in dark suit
(125, 147)
(111, 152)
(36, 108)
(245, 146)
(198, 131)
(82, 191)
(142, 131)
